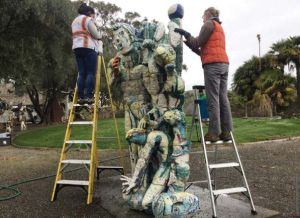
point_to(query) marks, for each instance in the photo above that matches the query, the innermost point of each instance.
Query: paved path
(270, 168)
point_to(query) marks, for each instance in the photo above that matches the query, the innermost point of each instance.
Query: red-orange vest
(214, 50)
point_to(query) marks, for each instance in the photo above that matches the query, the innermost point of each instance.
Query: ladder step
(220, 142)
(82, 123)
(73, 182)
(109, 167)
(73, 161)
(223, 165)
(83, 105)
(79, 142)
(229, 190)
(198, 181)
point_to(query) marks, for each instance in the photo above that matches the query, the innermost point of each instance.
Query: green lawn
(53, 136)
(252, 130)
(245, 130)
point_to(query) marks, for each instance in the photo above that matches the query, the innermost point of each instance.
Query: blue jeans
(86, 60)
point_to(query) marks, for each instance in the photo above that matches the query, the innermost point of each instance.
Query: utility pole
(259, 58)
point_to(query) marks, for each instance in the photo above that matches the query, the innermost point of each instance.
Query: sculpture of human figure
(10, 123)
(176, 13)
(171, 173)
(148, 69)
(22, 118)
(127, 72)
(137, 188)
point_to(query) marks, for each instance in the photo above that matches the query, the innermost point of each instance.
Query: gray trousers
(215, 77)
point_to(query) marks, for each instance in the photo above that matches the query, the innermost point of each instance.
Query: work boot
(225, 136)
(211, 137)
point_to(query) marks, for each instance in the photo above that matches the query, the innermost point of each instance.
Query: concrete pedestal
(109, 192)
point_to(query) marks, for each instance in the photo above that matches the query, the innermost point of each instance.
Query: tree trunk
(271, 111)
(51, 95)
(246, 110)
(44, 112)
(34, 97)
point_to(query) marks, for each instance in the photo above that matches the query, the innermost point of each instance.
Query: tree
(36, 41)
(244, 81)
(274, 90)
(286, 52)
(35, 44)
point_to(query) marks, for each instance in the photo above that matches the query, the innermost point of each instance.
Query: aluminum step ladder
(211, 168)
(91, 163)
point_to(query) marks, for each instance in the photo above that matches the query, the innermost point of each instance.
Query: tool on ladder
(90, 164)
(211, 168)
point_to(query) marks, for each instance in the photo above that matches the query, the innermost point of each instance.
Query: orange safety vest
(81, 37)
(214, 50)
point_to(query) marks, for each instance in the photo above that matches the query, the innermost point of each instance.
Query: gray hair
(213, 11)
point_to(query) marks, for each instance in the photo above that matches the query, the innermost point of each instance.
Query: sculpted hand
(128, 184)
(182, 32)
(115, 65)
(142, 123)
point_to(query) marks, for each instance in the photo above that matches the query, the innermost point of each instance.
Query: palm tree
(263, 102)
(266, 88)
(287, 52)
(279, 88)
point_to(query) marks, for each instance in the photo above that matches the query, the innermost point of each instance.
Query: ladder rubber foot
(214, 216)
(253, 212)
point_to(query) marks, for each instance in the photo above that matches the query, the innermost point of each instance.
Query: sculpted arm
(141, 165)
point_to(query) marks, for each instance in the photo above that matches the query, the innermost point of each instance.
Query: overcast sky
(242, 21)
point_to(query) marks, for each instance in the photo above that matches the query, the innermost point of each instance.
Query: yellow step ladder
(90, 164)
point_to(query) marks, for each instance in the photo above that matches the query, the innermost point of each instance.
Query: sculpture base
(108, 191)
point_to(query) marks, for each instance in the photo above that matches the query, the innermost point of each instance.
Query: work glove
(182, 32)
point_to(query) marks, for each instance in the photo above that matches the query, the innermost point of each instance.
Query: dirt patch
(272, 169)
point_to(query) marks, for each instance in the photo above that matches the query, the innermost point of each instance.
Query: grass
(245, 130)
(253, 130)
(53, 136)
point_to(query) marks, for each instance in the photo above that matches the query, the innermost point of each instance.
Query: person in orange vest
(85, 46)
(210, 45)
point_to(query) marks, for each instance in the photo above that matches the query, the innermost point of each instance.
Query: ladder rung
(218, 142)
(73, 182)
(72, 161)
(110, 167)
(79, 142)
(82, 123)
(229, 190)
(223, 165)
(83, 105)
(198, 181)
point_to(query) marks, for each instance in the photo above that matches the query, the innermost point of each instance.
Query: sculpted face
(122, 40)
(172, 117)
